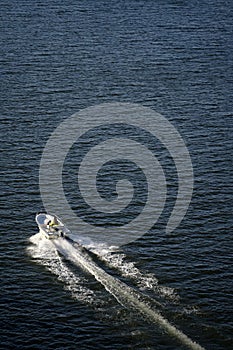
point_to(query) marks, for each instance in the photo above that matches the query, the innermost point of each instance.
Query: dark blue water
(173, 56)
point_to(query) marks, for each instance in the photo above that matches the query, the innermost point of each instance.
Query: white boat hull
(50, 226)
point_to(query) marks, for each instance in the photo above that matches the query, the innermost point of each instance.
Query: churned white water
(125, 295)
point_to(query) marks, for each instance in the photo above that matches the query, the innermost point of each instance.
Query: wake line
(125, 295)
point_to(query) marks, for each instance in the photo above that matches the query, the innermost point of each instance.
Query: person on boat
(53, 222)
(53, 226)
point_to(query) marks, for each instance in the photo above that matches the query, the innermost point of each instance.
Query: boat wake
(117, 260)
(44, 252)
(144, 281)
(48, 254)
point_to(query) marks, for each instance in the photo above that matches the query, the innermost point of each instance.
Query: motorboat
(51, 226)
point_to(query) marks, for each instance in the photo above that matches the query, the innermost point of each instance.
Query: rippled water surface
(59, 57)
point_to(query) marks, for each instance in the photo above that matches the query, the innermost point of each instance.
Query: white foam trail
(123, 293)
(44, 252)
(128, 269)
(114, 259)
